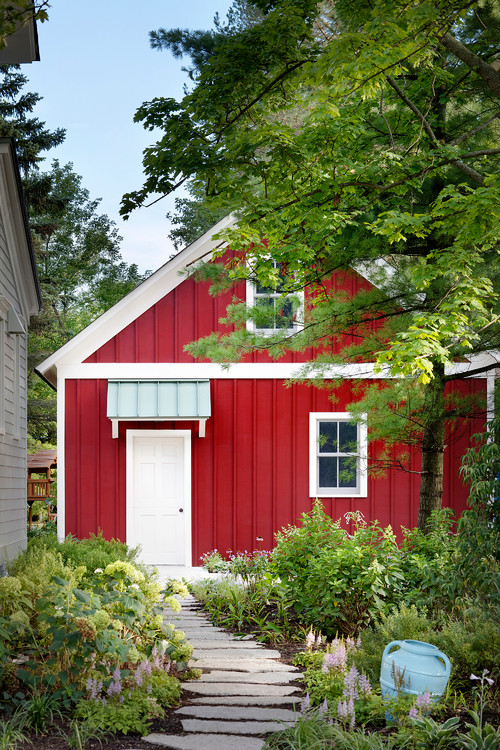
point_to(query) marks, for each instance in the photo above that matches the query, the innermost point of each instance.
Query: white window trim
(335, 416)
(298, 323)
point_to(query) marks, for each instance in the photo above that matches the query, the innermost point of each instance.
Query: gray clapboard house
(20, 298)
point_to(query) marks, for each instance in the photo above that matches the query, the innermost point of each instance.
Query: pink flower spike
(413, 713)
(306, 704)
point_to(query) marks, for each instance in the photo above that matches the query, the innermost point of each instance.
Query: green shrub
(95, 552)
(165, 689)
(133, 714)
(338, 582)
(426, 562)
(479, 526)
(38, 564)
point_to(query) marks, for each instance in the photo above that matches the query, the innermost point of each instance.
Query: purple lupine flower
(306, 704)
(424, 701)
(342, 710)
(413, 713)
(114, 688)
(146, 667)
(335, 659)
(364, 685)
(310, 640)
(350, 711)
(350, 683)
(91, 685)
(156, 658)
(350, 706)
(323, 709)
(351, 645)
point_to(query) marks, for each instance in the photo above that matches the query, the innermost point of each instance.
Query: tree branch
(483, 69)
(469, 171)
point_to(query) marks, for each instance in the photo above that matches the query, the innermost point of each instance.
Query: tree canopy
(353, 135)
(77, 249)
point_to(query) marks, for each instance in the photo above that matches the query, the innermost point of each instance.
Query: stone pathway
(247, 692)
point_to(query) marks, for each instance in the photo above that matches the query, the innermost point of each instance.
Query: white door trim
(186, 435)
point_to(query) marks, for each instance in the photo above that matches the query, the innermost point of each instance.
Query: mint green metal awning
(156, 400)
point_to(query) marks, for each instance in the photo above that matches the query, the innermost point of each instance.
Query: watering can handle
(447, 663)
(390, 645)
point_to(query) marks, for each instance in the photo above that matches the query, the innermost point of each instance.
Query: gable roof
(134, 304)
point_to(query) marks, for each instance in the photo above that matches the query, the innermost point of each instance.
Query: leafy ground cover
(86, 654)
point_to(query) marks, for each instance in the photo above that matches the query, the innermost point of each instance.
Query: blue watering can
(414, 668)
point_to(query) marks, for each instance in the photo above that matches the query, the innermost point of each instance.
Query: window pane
(265, 312)
(347, 471)
(259, 289)
(284, 313)
(348, 437)
(327, 471)
(328, 437)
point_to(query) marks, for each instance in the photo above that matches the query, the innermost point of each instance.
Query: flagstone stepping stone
(246, 700)
(205, 742)
(237, 688)
(262, 678)
(230, 653)
(249, 713)
(206, 643)
(233, 727)
(209, 633)
(244, 664)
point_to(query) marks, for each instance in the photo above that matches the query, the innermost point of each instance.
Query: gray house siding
(19, 299)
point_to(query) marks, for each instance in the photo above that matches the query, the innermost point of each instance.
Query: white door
(158, 495)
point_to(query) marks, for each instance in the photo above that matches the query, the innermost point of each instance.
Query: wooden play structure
(40, 480)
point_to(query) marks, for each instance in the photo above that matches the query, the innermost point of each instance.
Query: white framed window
(276, 310)
(337, 455)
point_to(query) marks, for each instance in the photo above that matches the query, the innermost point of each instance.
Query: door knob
(181, 510)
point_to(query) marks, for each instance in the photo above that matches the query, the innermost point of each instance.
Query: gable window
(337, 455)
(275, 310)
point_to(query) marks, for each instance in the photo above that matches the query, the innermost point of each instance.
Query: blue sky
(96, 68)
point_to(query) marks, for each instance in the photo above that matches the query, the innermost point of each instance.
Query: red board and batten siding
(250, 472)
(188, 313)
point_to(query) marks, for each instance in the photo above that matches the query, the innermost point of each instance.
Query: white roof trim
(134, 304)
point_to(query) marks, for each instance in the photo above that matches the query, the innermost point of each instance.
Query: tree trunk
(431, 483)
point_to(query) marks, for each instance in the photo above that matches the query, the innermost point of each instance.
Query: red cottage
(182, 456)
